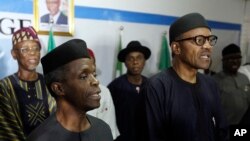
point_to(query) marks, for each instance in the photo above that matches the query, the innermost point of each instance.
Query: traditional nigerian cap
(91, 53)
(24, 34)
(186, 23)
(131, 47)
(230, 49)
(63, 54)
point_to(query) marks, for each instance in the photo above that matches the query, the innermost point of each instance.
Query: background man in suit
(54, 13)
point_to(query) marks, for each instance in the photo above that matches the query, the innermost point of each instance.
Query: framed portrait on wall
(55, 14)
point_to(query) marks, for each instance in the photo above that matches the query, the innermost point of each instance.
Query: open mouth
(205, 56)
(32, 60)
(96, 95)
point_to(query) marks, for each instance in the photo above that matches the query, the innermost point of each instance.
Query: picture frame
(63, 24)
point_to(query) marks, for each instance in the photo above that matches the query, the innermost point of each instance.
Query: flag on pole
(165, 59)
(51, 41)
(118, 63)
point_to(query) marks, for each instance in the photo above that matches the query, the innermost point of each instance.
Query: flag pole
(51, 23)
(51, 41)
(121, 28)
(164, 33)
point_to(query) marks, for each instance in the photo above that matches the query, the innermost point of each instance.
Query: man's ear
(176, 48)
(13, 53)
(57, 88)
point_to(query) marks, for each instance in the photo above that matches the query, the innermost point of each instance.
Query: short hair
(57, 75)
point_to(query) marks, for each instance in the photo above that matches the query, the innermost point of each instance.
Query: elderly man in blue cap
(181, 103)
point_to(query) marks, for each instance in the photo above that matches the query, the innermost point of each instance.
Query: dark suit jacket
(62, 19)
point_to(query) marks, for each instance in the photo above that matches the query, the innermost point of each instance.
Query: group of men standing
(178, 103)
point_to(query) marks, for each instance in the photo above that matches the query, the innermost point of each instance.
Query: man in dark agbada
(181, 103)
(70, 77)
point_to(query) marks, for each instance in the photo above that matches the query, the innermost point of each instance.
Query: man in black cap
(181, 103)
(125, 91)
(234, 86)
(70, 78)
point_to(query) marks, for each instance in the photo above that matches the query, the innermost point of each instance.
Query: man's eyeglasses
(200, 40)
(26, 50)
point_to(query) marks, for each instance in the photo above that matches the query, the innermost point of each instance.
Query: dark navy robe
(52, 130)
(181, 111)
(129, 110)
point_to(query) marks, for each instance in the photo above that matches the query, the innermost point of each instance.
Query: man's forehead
(197, 31)
(134, 53)
(233, 56)
(25, 43)
(52, 1)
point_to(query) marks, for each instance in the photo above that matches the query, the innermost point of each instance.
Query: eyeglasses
(26, 50)
(200, 40)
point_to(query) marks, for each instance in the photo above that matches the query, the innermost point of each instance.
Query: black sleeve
(221, 126)
(155, 111)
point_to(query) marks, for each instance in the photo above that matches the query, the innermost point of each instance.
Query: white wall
(220, 10)
(245, 36)
(102, 35)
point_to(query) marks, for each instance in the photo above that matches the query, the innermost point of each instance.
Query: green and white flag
(51, 41)
(165, 59)
(118, 63)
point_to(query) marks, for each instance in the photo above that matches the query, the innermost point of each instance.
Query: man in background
(54, 15)
(234, 86)
(24, 99)
(106, 111)
(126, 93)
